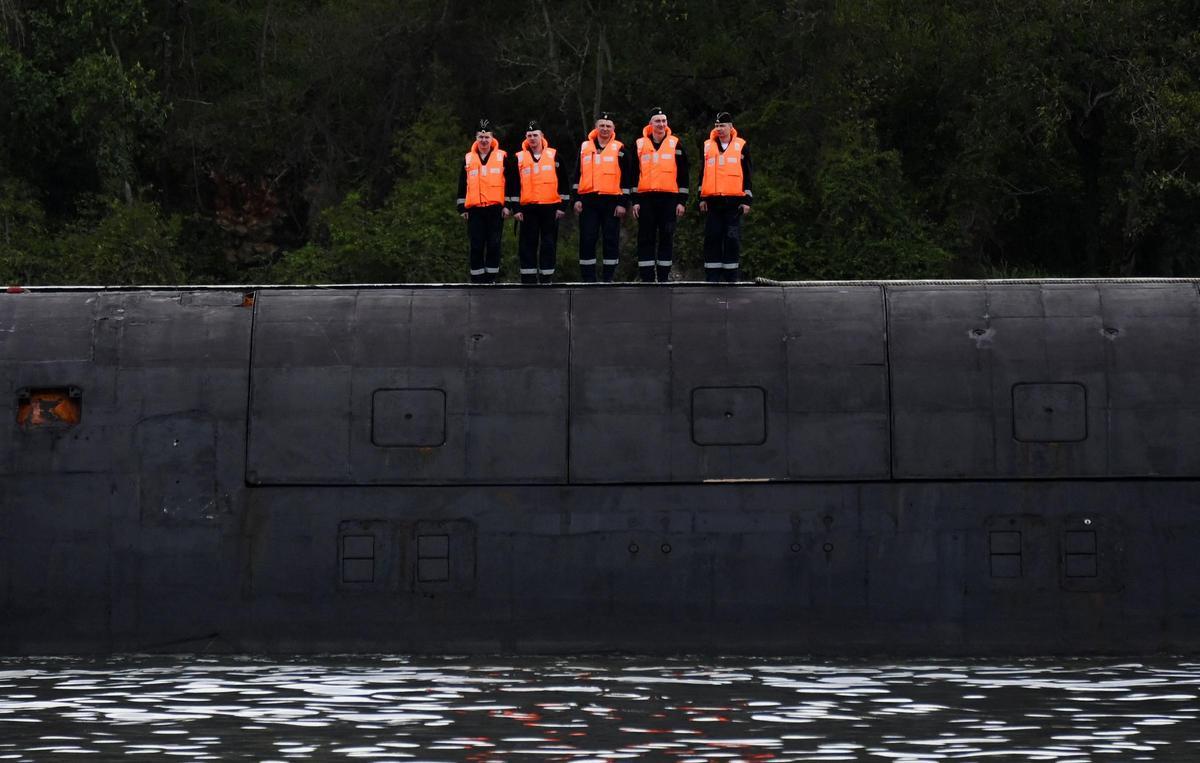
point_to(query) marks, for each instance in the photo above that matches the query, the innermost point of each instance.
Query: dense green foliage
(319, 140)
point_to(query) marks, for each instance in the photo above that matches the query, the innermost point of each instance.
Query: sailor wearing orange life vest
(543, 192)
(725, 197)
(483, 203)
(659, 179)
(601, 187)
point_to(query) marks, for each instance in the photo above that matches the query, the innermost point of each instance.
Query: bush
(130, 244)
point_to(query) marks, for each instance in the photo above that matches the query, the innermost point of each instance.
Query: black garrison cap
(657, 111)
(723, 116)
(533, 126)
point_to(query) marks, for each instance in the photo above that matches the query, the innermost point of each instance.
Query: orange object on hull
(50, 408)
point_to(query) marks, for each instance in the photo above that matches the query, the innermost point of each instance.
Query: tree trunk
(1085, 133)
(598, 95)
(10, 19)
(1130, 237)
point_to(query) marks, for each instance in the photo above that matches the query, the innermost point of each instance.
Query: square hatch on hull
(408, 386)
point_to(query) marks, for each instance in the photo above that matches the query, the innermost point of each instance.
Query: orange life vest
(723, 171)
(485, 182)
(539, 180)
(657, 170)
(600, 171)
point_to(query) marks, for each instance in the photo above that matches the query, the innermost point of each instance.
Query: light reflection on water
(592, 709)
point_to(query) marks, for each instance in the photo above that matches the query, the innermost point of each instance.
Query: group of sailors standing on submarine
(609, 182)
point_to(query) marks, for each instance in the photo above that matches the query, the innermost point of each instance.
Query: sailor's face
(605, 128)
(658, 125)
(724, 130)
(484, 139)
(535, 139)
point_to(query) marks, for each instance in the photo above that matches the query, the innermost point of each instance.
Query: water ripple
(391, 708)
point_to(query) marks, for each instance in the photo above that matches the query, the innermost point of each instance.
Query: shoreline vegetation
(318, 141)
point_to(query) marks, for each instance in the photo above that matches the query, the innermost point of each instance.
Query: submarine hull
(919, 468)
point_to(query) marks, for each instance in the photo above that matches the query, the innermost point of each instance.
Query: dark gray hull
(834, 469)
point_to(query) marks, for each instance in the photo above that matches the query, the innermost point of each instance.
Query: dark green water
(589, 709)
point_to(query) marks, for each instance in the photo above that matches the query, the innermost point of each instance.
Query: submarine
(826, 468)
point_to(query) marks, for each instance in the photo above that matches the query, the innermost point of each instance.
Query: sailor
(539, 206)
(601, 188)
(659, 178)
(725, 197)
(482, 202)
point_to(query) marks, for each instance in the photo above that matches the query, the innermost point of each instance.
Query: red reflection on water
(515, 715)
(480, 755)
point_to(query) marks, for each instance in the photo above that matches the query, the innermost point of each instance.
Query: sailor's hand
(619, 211)
(578, 207)
(464, 215)
(520, 216)
(679, 210)
(559, 214)
(745, 209)
(637, 208)
(505, 213)
(704, 206)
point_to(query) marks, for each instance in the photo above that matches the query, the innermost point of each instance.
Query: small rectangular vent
(443, 556)
(1080, 554)
(433, 558)
(358, 558)
(1004, 547)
